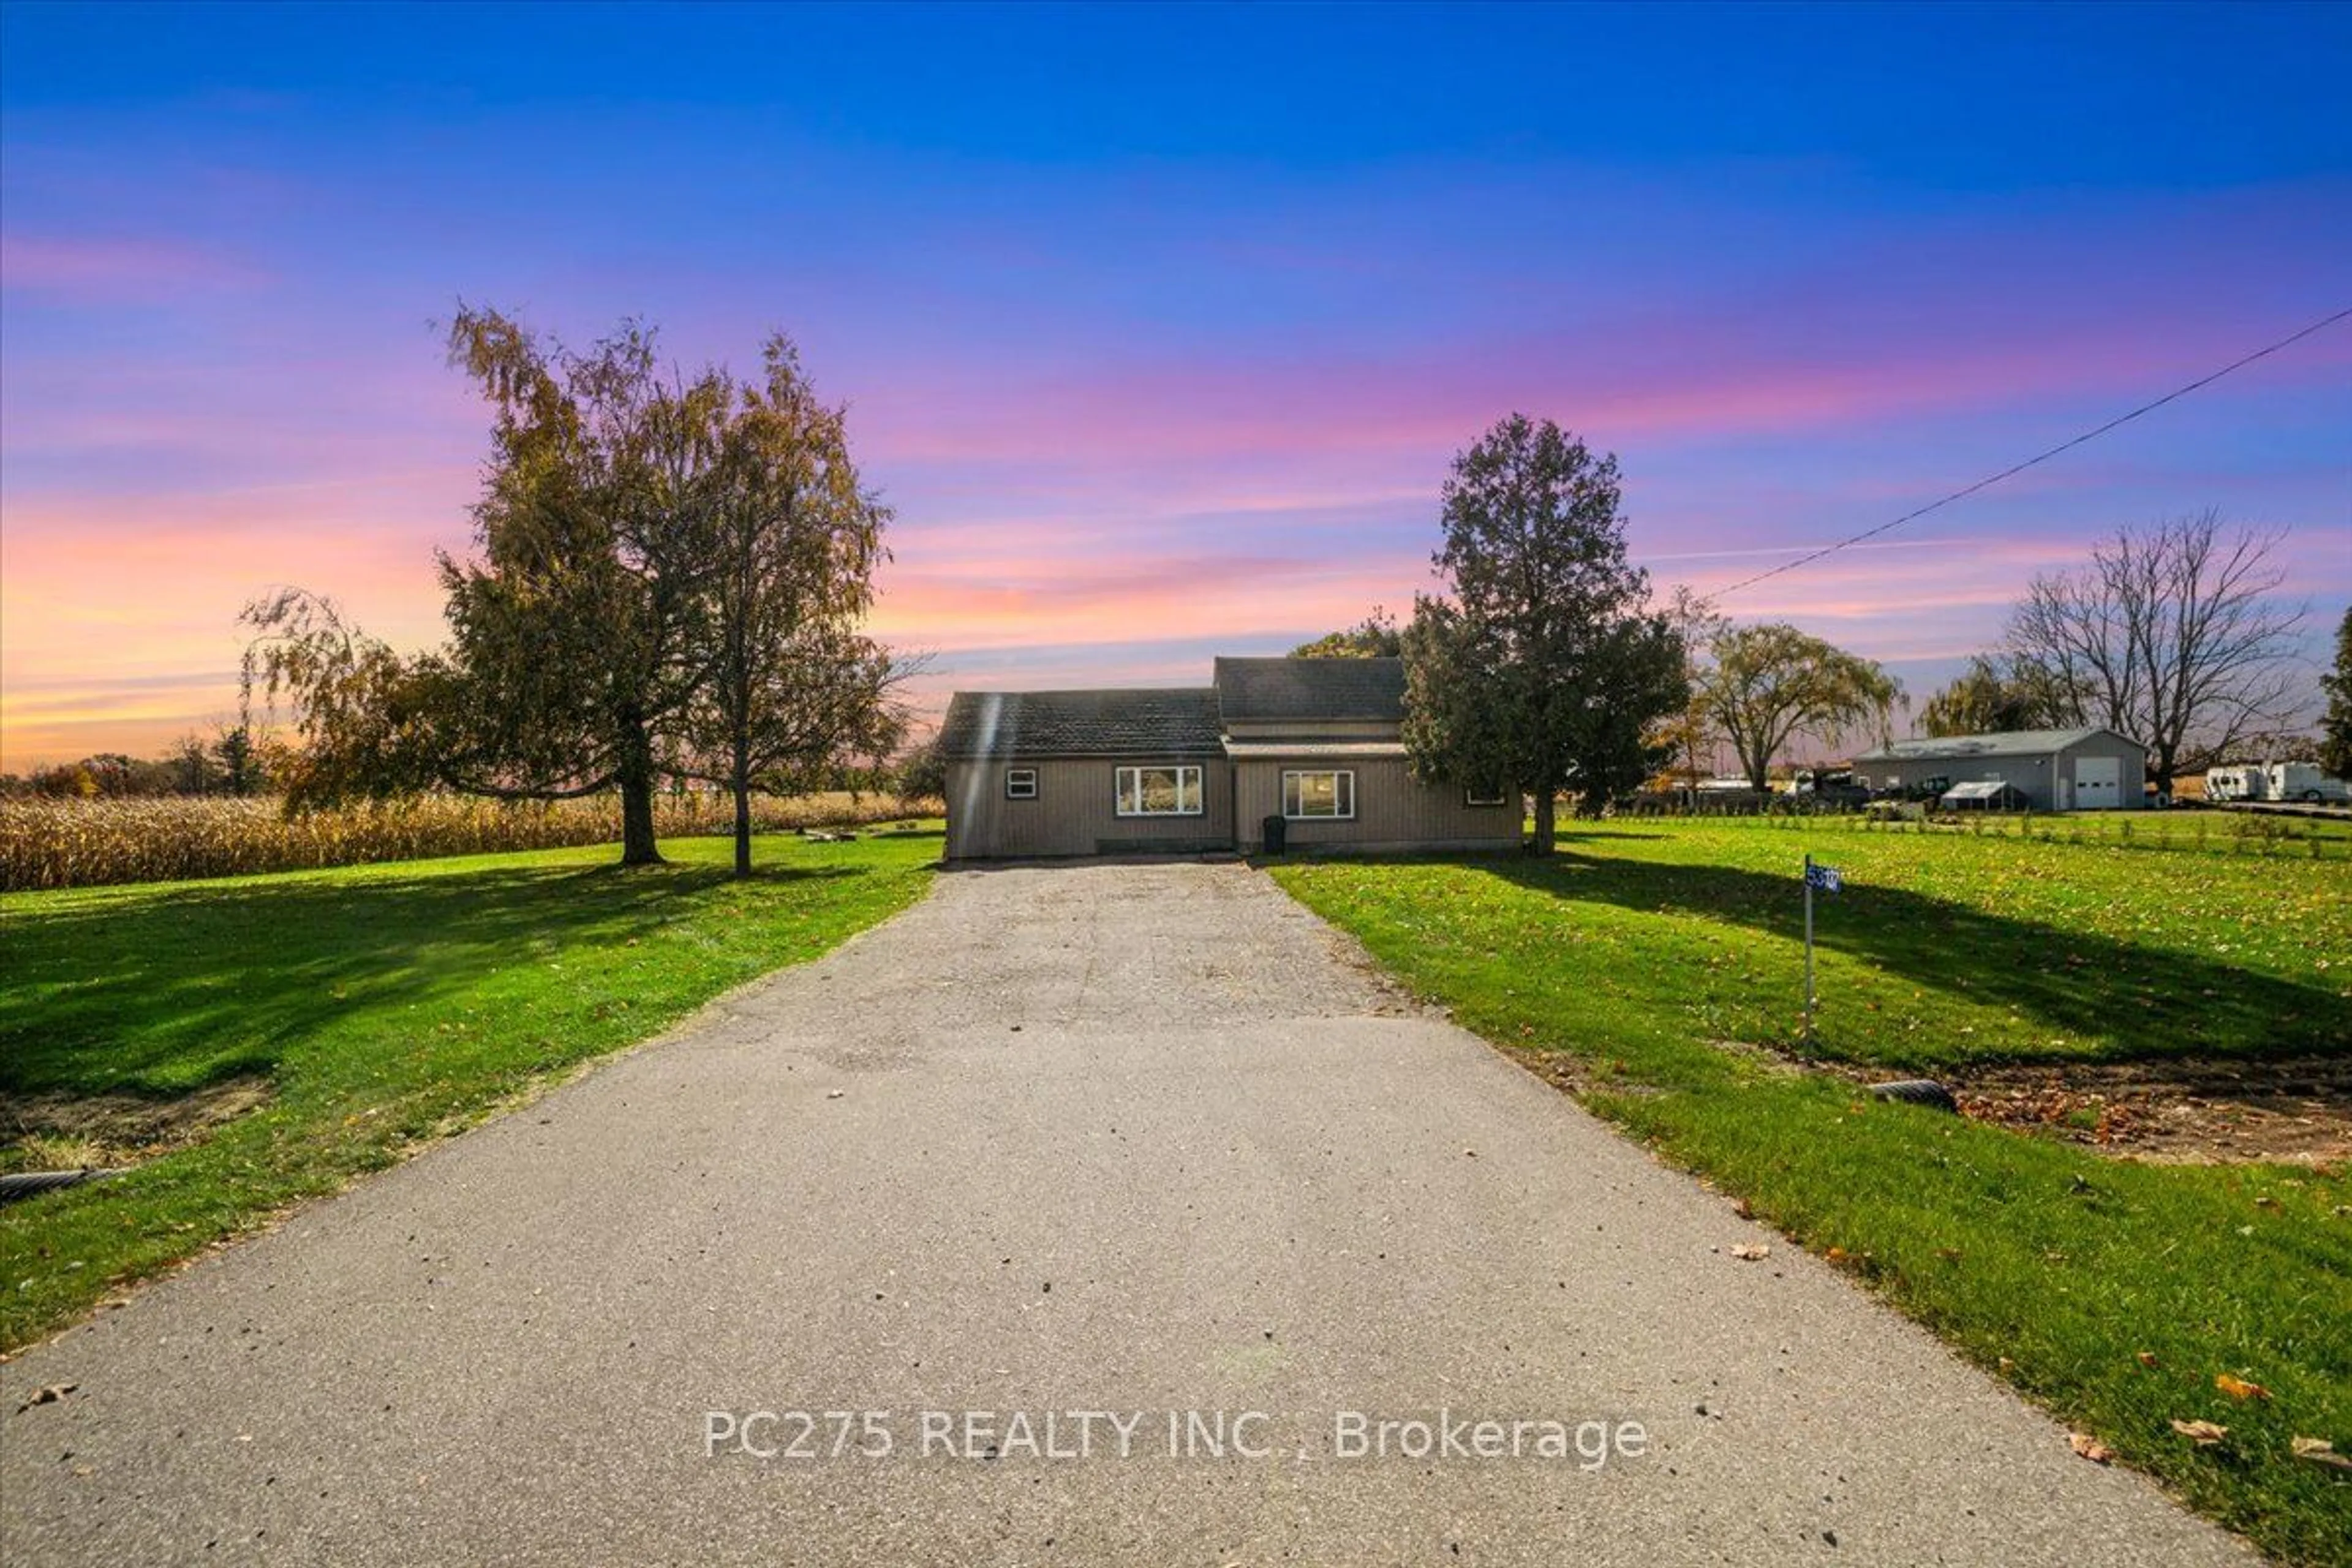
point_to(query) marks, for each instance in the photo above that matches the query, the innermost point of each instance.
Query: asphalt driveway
(1058, 1157)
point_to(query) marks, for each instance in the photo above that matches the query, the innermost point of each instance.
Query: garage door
(2098, 782)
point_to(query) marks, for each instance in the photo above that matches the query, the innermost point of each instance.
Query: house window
(1319, 795)
(1021, 784)
(1159, 792)
(1485, 795)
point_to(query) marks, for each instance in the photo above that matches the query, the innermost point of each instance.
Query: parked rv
(2236, 783)
(2275, 781)
(2301, 781)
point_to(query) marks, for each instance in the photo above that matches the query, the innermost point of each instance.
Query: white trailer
(2237, 784)
(2301, 781)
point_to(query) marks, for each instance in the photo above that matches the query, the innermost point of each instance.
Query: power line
(2041, 458)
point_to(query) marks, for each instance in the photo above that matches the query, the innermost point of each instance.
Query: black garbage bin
(1273, 831)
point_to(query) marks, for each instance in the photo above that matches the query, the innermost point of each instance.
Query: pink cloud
(117, 271)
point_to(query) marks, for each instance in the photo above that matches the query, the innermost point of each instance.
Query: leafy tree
(667, 582)
(2001, 692)
(238, 760)
(1542, 667)
(922, 773)
(793, 690)
(2173, 636)
(368, 721)
(2336, 727)
(1767, 682)
(580, 626)
(1374, 636)
(191, 762)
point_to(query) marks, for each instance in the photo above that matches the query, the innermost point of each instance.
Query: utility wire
(2042, 457)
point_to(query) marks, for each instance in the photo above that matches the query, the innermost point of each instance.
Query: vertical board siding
(1393, 809)
(1077, 810)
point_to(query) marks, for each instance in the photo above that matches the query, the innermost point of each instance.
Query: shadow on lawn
(2163, 1003)
(165, 995)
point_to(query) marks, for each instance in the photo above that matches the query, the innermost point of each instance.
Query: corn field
(92, 843)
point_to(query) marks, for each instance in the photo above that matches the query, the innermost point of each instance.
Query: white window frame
(1343, 794)
(1021, 784)
(1127, 789)
(1471, 797)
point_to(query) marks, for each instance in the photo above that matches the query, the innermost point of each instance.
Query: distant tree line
(230, 763)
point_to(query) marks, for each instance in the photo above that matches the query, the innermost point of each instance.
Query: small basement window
(1488, 795)
(1159, 792)
(1309, 795)
(1021, 784)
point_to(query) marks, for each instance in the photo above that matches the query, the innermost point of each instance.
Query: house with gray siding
(1316, 743)
(2054, 770)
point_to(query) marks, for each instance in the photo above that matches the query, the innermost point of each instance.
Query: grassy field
(1658, 955)
(335, 1020)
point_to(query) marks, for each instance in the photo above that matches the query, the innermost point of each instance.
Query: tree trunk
(1546, 813)
(740, 781)
(636, 774)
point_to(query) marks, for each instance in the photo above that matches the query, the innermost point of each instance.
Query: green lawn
(369, 1009)
(1650, 946)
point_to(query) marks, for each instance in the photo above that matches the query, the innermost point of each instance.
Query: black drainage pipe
(25, 1183)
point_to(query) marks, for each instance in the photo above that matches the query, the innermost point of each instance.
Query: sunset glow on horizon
(1160, 327)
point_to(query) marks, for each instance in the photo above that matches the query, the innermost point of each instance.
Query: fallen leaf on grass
(2089, 1447)
(48, 1395)
(2145, 1358)
(2320, 1451)
(2239, 1388)
(1752, 1252)
(2204, 1433)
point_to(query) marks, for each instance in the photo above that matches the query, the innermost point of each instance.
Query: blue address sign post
(1829, 879)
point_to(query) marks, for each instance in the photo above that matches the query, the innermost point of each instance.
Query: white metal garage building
(2056, 770)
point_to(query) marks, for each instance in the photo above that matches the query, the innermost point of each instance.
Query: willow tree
(794, 688)
(1542, 667)
(2001, 692)
(665, 582)
(1770, 682)
(579, 622)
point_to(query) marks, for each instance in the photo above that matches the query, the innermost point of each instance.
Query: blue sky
(1159, 326)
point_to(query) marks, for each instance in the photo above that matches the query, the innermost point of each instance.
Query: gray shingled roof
(2013, 743)
(1261, 690)
(1155, 721)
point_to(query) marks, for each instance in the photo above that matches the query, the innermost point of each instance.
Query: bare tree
(2173, 635)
